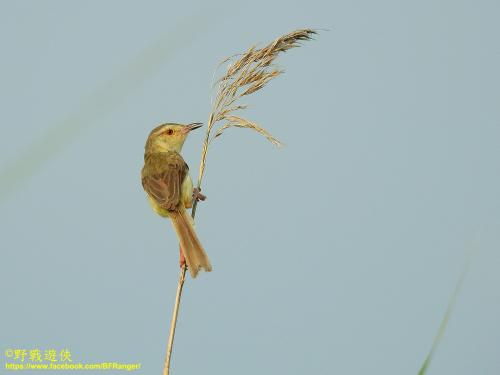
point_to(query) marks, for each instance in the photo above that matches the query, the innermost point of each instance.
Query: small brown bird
(166, 180)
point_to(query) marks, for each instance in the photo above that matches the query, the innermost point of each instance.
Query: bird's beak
(192, 126)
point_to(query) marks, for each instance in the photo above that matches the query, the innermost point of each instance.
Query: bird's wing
(163, 179)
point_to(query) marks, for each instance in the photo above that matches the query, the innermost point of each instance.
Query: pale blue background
(334, 255)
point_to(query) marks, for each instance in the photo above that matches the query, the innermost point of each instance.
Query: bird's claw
(197, 196)
(182, 259)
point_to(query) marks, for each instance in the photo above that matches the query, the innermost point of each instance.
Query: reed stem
(173, 323)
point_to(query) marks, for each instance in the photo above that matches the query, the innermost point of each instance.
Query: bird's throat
(161, 145)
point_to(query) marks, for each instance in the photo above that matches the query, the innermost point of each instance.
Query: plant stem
(173, 323)
(203, 160)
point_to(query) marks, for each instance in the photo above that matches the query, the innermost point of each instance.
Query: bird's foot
(197, 196)
(182, 259)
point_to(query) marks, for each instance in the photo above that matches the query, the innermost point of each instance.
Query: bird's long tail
(193, 251)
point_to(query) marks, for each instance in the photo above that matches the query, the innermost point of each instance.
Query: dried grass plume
(244, 76)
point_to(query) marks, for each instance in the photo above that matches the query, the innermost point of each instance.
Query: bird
(169, 188)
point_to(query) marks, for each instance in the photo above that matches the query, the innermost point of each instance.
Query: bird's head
(169, 137)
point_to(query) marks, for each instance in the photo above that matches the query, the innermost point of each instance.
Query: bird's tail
(196, 257)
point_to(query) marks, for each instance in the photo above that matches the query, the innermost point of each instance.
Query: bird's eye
(170, 132)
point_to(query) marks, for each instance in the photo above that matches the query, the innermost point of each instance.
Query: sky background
(334, 255)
